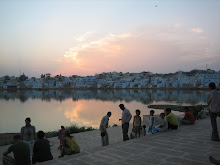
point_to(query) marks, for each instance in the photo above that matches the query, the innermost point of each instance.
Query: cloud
(60, 60)
(197, 30)
(85, 36)
(177, 25)
(108, 46)
(156, 49)
(202, 38)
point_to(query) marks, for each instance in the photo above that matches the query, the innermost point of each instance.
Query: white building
(207, 78)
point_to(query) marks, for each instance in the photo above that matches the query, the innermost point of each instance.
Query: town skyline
(115, 80)
(85, 37)
(29, 76)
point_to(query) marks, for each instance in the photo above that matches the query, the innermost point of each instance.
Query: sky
(88, 37)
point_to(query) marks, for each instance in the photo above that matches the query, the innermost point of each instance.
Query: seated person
(70, 145)
(195, 113)
(41, 151)
(188, 118)
(145, 131)
(133, 134)
(163, 124)
(171, 119)
(21, 151)
(202, 113)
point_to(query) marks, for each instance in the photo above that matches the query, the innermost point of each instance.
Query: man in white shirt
(126, 117)
(103, 127)
(213, 101)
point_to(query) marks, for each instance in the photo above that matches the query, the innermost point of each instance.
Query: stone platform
(189, 145)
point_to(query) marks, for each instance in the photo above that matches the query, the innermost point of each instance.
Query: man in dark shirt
(41, 151)
(21, 151)
(213, 101)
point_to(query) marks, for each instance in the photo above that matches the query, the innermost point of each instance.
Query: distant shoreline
(91, 88)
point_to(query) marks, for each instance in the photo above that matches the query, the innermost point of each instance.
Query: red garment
(189, 116)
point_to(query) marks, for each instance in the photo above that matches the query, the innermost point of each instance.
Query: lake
(50, 109)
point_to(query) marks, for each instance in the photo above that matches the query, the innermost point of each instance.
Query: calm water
(53, 108)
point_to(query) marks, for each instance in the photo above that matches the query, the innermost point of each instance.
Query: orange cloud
(177, 25)
(107, 45)
(197, 30)
(144, 49)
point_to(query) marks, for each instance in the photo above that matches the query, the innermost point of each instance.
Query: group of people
(126, 117)
(68, 144)
(168, 119)
(27, 150)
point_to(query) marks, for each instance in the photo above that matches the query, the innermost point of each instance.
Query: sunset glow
(89, 37)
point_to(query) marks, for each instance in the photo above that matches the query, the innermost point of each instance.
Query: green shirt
(21, 151)
(171, 118)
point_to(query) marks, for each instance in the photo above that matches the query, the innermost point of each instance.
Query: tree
(7, 77)
(22, 78)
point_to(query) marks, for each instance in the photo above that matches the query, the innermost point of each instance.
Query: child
(137, 123)
(202, 113)
(163, 124)
(61, 137)
(133, 134)
(145, 132)
(152, 123)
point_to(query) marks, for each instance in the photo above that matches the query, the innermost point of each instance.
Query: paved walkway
(189, 145)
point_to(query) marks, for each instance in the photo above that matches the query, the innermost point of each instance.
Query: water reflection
(53, 108)
(143, 96)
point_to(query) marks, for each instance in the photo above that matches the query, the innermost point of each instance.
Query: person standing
(152, 123)
(126, 117)
(21, 152)
(213, 101)
(61, 137)
(103, 127)
(28, 134)
(137, 123)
